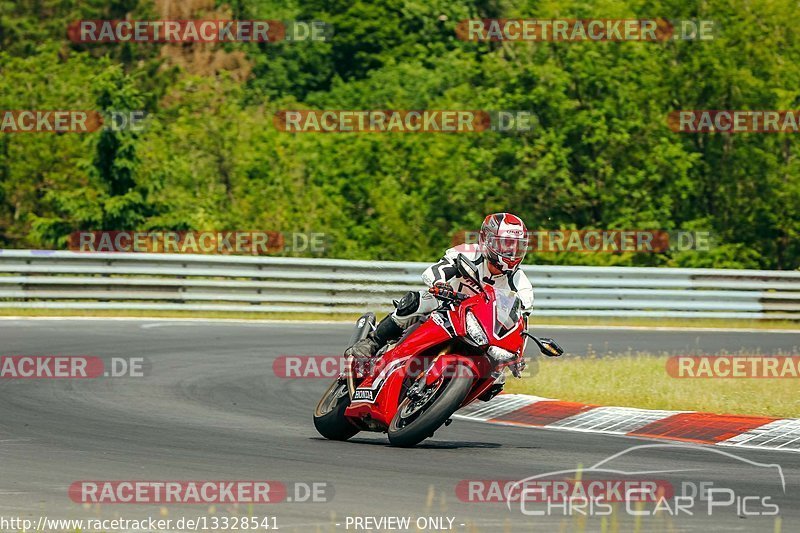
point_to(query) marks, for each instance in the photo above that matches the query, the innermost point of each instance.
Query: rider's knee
(408, 305)
(412, 307)
(406, 309)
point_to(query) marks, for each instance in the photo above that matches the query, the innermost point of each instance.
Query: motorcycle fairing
(376, 399)
(381, 391)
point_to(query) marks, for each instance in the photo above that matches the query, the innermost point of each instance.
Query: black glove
(519, 367)
(442, 290)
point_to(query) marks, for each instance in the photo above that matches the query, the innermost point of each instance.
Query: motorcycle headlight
(500, 355)
(475, 331)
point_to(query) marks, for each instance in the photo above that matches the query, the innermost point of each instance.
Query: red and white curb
(760, 432)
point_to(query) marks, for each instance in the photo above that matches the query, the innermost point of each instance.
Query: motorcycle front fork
(497, 386)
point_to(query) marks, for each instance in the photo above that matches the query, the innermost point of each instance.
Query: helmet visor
(508, 247)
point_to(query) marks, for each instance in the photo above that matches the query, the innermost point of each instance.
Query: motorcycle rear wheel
(329, 416)
(414, 423)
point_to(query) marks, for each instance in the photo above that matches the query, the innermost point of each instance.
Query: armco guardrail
(74, 280)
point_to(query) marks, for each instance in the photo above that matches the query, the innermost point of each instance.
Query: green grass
(535, 321)
(642, 381)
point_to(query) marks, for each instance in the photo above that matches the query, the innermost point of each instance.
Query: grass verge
(642, 381)
(535, 321)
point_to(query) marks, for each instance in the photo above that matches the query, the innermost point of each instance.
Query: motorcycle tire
(446, 401)
(329, 416)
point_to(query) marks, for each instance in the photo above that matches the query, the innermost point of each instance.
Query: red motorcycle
(448, 361)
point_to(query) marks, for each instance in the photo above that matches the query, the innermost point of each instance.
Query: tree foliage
(601, 154)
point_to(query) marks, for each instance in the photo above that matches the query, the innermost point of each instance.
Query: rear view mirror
(467, 268)
(549, 347)
(546, 345)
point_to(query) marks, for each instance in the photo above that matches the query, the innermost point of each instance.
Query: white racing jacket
(445, 270)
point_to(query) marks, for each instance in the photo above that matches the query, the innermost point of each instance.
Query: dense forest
(601, 155)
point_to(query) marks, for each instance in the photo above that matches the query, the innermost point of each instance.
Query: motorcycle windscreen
(508, 309)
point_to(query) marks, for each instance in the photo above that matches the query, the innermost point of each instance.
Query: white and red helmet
(504, 240)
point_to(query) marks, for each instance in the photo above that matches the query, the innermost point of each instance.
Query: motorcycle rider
(502, 244)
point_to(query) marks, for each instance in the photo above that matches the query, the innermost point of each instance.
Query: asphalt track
(211, 408)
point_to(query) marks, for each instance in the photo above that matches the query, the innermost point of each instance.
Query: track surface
(211, 408)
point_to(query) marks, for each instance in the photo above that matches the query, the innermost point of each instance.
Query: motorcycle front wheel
(417, 419)
(329, 416)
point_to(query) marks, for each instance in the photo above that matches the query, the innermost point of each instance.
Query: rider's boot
(386, 331)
